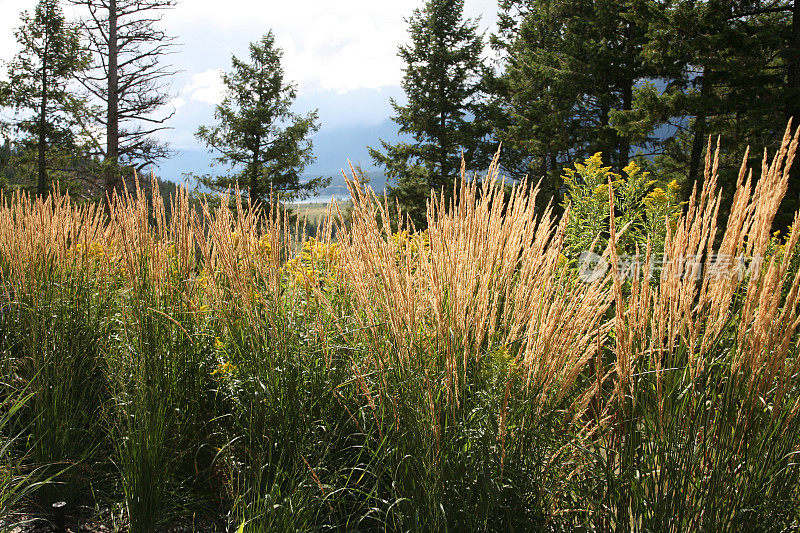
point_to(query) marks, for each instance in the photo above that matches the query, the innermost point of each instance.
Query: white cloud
(177, 103)
(340, 46)
(327, 45)
(9, 22)
(330, 48)
(206, 87)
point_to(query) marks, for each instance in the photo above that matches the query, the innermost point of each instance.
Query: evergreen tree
(39, 88)
(442, 82)
(264, 144)
(725, 69)
(534, 105)
(567, 67)
(659, 76)
(6, 170)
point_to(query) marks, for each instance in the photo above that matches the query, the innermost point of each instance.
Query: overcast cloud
(341, 46)
(342, 54)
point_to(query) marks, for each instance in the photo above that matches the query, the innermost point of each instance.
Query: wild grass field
(222, 370)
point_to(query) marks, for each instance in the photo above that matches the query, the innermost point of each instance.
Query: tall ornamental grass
(221, 368)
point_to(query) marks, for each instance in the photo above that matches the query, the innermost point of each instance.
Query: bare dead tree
(129, 80)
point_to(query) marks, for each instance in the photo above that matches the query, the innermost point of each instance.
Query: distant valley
(333, 147)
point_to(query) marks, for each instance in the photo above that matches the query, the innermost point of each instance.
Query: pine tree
(726, 70)
(568, 66)
(129, 80)
(441, 82)
(40, 87)
(265, 145)
(534, 104)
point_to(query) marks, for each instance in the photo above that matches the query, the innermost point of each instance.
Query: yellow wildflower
(264, 246)
(317, 262)
(657, 197)
(601, 191)
(503, 353)
(632, 168)
(224, 368)
(255, 297)
(96, 251)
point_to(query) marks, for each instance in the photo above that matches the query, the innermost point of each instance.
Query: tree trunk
(699, 139)
(442, 137)
(254, 172)
(551, 183)
(625, 141)
(793, 67)
(443, 153)
(112, 114)
(41, 188)
(605, 141)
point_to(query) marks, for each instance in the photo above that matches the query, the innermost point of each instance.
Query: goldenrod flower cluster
(97, 251)
(411, 243)
(637, 205)
(101, 255)
(592, 171)
(263, 248)
(202, 279)
(317, 264)
(779, 244)
(661, 197)
(172, 261)
(224, 369)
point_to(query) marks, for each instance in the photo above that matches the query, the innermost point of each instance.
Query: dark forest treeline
(645, 79)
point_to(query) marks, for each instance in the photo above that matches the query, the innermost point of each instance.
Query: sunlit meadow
(220, 368)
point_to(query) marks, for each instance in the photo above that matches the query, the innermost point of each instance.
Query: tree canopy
(441, 82)
(130, 81)
(263, 143)
(41, 90)
(646, 79)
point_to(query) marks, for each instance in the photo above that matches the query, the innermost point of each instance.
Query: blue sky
(342, 55)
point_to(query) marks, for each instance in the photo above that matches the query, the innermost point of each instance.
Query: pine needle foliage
(264, 144)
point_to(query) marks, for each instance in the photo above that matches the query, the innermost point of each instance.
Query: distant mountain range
(333, 147)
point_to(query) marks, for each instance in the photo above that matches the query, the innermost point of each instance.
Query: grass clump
(220, 367)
